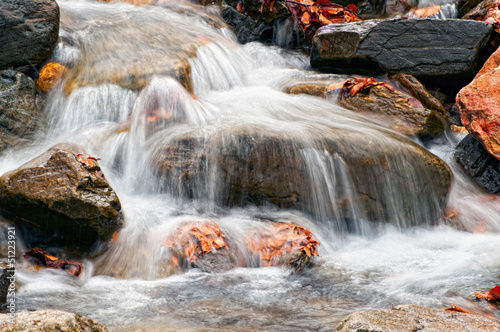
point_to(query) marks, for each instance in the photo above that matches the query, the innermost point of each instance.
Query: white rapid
(363, 264)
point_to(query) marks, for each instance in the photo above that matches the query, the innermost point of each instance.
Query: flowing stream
(237, 88)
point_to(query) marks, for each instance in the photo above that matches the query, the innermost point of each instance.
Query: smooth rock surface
(56, 200)
(479, 164)
(443, 53)
(49, 320)
(410, 318)
(28, 32)
(19, 116)
(479, 105)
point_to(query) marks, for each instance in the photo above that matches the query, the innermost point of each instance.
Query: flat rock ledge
(49, 320)
(441, 53)
(409, 318)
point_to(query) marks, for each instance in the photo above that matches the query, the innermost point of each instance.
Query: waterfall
(192, 126)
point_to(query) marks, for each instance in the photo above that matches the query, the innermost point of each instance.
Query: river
(368, 265)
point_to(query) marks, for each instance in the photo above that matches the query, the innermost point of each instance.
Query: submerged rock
(368, 175)
(19, 116)
(434, 51)
(28, 32)
(479, 105)
(409, 318)
(482, 167)
(58, 200)
(49, 320)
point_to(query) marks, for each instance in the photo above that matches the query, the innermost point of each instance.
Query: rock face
(418, 91)
(479, 164)
(18, 112)
(434, 51)
(57, 200)
(244, 166)
(405, 113)
(409, 318)
(479, 106)
(49, 320)
(28, 32)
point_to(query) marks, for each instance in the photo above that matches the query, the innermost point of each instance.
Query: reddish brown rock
(479, 106)
(49, 75)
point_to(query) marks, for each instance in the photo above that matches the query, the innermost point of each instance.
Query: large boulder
(28, 32)
(442, 53)
(19, 116)
(49, 320)
(409, 318)
(338, 174)
(479, 105)
(482, 167)
(59, 200)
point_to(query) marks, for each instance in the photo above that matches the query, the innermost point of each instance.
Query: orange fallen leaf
(426, 11)
(195, 239)
(458, 309)
(238, 7)
(479, 295)
(281, 239)
(38, 257)
(354, 85)
(493, 294)
(87, 161)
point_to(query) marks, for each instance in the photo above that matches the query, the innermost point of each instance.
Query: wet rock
(405, 113)
(59, 201)
(28, 32)
(251, 25)
(19, 116)
(418, 91)
(472, 9)
(241, 166)
(479, 106)
(49, 75)
(409, 318)
(49, 320)
(434, 51)
(483, 168)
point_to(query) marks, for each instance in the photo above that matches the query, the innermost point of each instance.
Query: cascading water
(173, 157)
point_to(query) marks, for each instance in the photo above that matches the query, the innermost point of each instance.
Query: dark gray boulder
(56, 200)
(480, 165)
(28, 32)
(19, 116)
(443, 53)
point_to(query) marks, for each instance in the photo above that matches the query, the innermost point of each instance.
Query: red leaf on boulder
(87, 161)
(354, 85)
